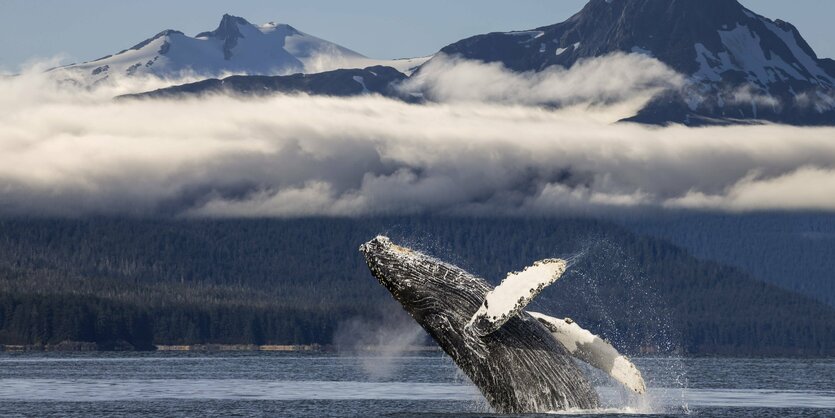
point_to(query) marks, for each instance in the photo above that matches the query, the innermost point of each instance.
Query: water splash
(637, 321)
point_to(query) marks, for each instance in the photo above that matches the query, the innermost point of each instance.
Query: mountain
(348, 82)
(740, 66)
(235, 47)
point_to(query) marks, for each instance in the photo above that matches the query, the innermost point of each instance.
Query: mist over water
(380, 343)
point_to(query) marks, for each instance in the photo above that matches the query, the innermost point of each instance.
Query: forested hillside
(795, 251)
(137, 283)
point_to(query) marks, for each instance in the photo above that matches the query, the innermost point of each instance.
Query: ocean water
(425, 385)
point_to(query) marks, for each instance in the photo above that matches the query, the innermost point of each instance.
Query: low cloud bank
(615, 78)
(487, 148)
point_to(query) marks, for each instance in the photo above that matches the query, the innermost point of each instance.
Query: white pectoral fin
(594, 350)
(515, 292)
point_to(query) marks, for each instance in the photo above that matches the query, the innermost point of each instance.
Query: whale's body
(519, 367)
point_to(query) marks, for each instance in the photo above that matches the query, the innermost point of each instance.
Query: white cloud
(747, 95)
(614, 78)
(71, 152)
(807, 188)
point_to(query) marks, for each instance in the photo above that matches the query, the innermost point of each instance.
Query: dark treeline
(139, 283)
(45, 319)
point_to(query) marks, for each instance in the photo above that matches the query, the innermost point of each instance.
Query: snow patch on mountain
(361, 81)
(744, 46)
(806, 61)
(532, 34)
(572, 47)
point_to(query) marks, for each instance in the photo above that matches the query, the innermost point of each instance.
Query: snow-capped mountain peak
(236, 46)
(740, 65)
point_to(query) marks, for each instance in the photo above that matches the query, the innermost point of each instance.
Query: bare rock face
(229, 32)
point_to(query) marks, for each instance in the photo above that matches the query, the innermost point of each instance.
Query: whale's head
(429, 289)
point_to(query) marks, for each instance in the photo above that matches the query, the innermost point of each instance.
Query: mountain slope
(740, 65)
(791, 250)
(235, 47)
(342, 83)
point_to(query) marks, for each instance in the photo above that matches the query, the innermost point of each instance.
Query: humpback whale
(520, 361)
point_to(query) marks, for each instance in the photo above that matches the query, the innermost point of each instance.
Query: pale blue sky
(87, 29)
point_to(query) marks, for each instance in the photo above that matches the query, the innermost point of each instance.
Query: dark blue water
(317, 385)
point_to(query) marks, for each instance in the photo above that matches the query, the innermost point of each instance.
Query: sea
(256, 384)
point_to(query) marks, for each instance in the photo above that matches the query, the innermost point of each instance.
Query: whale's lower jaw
(520, 368)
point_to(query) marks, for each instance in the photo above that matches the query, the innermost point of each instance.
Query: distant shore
(75, 346)
(88, 347)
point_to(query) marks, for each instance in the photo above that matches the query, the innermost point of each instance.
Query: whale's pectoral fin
(515, 292)
(593, 350)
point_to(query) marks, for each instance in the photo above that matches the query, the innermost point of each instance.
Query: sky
(83, 30)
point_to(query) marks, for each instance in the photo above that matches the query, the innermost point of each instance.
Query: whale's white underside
(593, 350)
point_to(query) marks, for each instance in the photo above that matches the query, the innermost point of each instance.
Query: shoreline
(71, 346)
(85, 347)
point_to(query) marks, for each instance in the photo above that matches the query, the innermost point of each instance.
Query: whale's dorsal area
(593, 350)
(515, 292)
